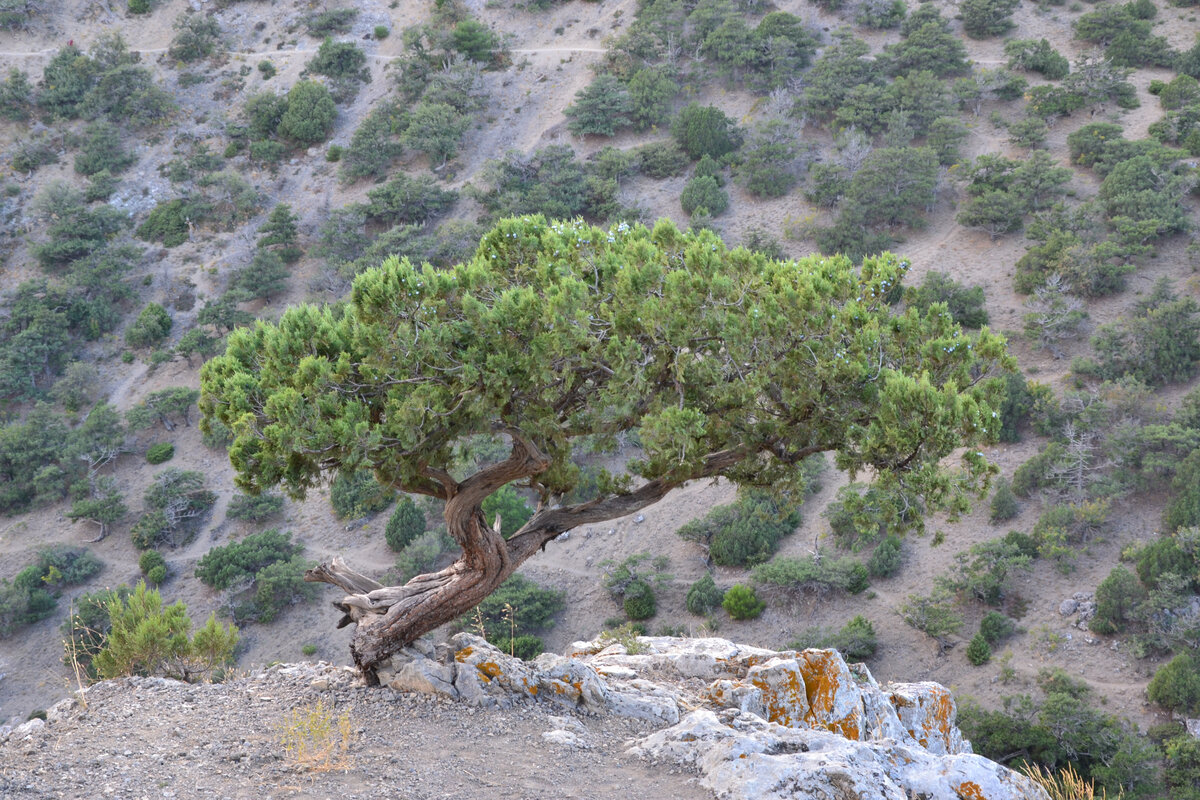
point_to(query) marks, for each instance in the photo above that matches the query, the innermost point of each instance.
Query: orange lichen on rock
(969, 790)
(784, 693)
(464, 654)
(489, 669)
(825, 678)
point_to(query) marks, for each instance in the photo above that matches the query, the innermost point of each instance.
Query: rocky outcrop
(755, 723)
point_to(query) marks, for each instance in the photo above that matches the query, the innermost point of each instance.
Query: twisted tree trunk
(389, 618)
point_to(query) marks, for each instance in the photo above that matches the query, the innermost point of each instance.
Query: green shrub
(881, 14)
(964, 304)
(861, 515)
(979, 652)
(813, 575)
(33, 592)
(984, 18)
(139, 6)
(639, 602)
(934, 615)
(995, 627)
(254, 508)
(421, 554)
(408, 200)
(339, 60)
(703, 193)
(381, 32)
(886, 559)
(1159, 344)
(310, 114)
(741, 602)
(267, 70)
(228, 565)
(1117, 599)
(1004, 503)
(702, 130)
(405, 525)
(661, 160)
(631, 582)
(703, 596)
(986, 570)
(519, 607)
(743, 533)
(196, 37)
(145, 638)
(358, 494)
(33, 153)
(1176, 686)
(150, 328)
(601, 108)
(150, 559)
(160, 453)
(857, 640)
(102, 150)
(326, 23)
(167, 223)
(176, 503)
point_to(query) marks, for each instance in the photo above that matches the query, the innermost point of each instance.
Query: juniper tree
(723, 363)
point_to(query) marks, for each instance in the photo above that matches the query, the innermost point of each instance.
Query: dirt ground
(552, 52)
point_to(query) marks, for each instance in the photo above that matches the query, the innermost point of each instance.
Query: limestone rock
(927, 712)
(760, 760)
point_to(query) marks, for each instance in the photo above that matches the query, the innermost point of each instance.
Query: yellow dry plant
(317, 739)
(1066, 784)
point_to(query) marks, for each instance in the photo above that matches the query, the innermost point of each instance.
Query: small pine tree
(1004, 503)
(979, 652)
(406, 524)
(280, 232)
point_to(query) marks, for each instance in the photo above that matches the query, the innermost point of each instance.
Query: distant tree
(474, 40)
(965, 304)
(405, 525)
(164, 407)
(408, 200)
(265, 276)
(894, 185)
(1037, 55)
(279, 233)
(601, 108)
(340, 60)
(435, 129)
(510, 507)
(102, 150)
(375, 143)
(196, 37)
(703, 193)
(310, 114)
(1176, 686)
(929, 47)
(995, 213)
(16, 96)
(705, 130)
(151, 327)
(771, 160)
(984, 18)
(651, 90)
(104, 508)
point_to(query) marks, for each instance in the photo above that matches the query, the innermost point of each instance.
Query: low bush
(813, 575)
(703, 596)
(964, 304)
(358, 494)
(160, 453)
(144, 638)
(405, 525)
(995, 627)
(979, 652)
(1004, 503)
(632, 581)
(254, 508)
(741, 602)
(150, 328)
(886, 559)
(743, 533)
(856, 640)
